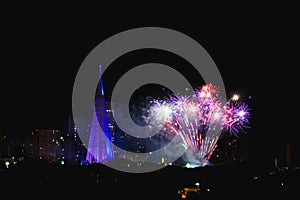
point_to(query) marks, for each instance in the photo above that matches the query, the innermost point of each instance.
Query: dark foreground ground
(225, 181)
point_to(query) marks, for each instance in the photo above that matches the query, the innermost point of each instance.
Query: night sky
(42, 49)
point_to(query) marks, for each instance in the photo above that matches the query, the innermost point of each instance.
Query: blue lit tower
(99, 148)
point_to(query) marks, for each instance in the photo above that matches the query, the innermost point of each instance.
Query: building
(230, 149)
(43, 144)
(100, 148)
(11, 150)
(72, 149)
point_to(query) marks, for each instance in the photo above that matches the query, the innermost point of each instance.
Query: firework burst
(201, 118)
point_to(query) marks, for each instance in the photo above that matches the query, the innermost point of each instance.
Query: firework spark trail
(197, 119)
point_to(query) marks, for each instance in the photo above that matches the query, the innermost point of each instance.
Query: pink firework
(200, 119)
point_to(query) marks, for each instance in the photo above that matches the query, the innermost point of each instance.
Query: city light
(7, 164)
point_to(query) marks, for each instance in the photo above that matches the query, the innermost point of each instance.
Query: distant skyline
(254, 57)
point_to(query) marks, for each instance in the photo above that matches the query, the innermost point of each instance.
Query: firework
(201, 118)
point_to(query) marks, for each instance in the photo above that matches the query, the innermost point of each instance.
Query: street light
(7, 164)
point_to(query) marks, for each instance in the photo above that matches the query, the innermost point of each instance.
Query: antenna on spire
(101, 83)
(100, 69)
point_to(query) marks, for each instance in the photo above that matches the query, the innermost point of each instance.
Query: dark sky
(42, 49)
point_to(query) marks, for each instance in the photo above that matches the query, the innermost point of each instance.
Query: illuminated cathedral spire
(99, 148)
